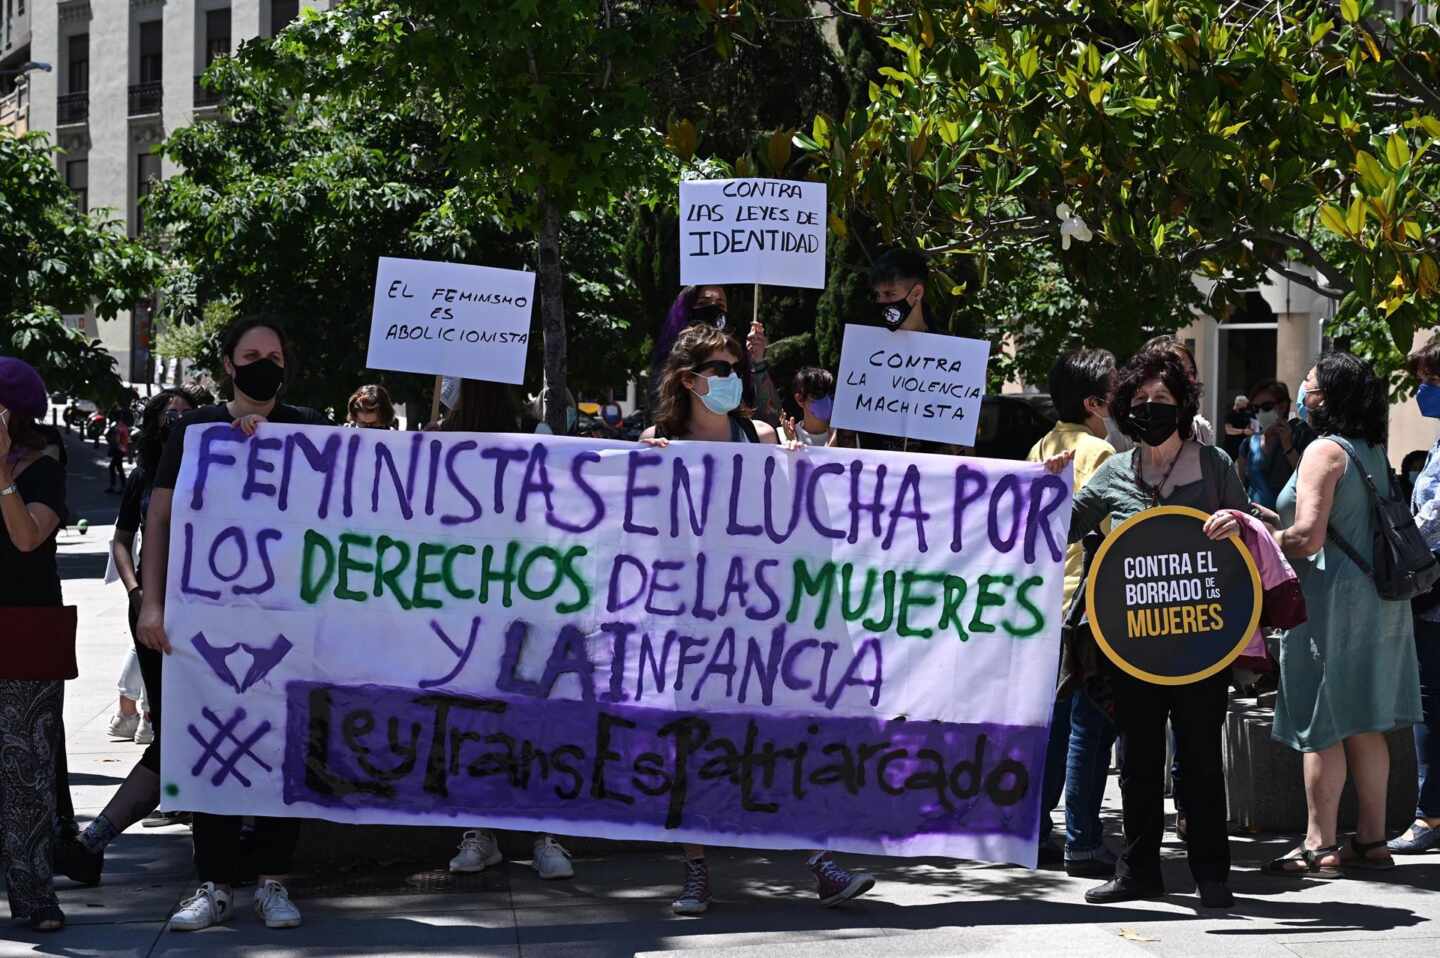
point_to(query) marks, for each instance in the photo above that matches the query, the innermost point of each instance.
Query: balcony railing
(146, 98)
(72, 108)
(204, 96)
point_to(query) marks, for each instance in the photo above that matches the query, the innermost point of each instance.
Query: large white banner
(736, 644)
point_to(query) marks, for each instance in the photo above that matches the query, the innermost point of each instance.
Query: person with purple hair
(708, 306)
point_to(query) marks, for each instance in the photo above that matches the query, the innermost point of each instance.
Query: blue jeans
(1077, 760)
(1427, 733)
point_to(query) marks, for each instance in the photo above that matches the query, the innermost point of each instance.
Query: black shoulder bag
(1402, 566)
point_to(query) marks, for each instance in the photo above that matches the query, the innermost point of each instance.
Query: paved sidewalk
(619, 905)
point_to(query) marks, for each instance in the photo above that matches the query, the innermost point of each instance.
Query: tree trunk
(552, 315)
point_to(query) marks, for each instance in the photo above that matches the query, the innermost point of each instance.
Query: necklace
(1153, 492)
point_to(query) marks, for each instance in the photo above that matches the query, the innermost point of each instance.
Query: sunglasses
(722, 367)
(1265, 406)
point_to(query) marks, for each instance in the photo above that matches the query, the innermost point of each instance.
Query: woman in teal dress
(1349, 674)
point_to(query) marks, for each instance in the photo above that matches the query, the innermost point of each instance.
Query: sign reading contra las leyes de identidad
(451, 319)
(770, 232)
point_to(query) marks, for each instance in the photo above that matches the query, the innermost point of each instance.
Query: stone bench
(1264, 782)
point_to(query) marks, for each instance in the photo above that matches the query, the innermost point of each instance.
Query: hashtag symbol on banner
(236, 748)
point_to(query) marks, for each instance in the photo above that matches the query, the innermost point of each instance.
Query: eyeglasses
(1265, 406)
(722, 367)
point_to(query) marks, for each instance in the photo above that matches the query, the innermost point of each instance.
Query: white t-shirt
(808, 438)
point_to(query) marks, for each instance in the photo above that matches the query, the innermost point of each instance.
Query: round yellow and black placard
(1168, 604)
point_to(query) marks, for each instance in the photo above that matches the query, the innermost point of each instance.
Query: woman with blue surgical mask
(1268, 457)
(1424, 832)
(701, 392)
(700, 399)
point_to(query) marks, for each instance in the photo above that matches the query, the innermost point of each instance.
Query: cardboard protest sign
(1168, 604)
(770, 232)
(715, 643)
(451, 319)
(911, 384)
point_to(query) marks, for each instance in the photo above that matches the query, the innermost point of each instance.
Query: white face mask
(1267, 418)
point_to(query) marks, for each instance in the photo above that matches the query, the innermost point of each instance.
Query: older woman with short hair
(1156, 402)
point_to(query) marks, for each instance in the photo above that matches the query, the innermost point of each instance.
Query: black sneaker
(77, 863)
(1123, 889)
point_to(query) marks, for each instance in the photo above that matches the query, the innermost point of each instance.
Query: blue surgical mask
(822, 408)
(1302, 411)
(1427, 397)
(723, 395)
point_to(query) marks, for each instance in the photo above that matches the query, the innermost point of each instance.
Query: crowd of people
(1292, 480)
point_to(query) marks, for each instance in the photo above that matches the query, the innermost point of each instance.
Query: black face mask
(1155, 421)
(260, 380)
(709, 314)
(893, 314)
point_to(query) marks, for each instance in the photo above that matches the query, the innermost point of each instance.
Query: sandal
(1356, 854)
(1308, 860)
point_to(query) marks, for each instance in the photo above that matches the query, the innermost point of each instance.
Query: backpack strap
(747, 427)
(1330, 530)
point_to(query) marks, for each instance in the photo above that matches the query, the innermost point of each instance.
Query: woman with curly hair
(1155, 404)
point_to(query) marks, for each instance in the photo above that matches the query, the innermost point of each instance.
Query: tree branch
(1312, 256)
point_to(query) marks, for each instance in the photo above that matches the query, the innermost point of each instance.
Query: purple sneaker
(695, 895)
(834, 884)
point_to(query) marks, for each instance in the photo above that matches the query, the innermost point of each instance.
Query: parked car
(1011, 423)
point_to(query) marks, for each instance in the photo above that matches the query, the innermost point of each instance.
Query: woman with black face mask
(709, 306)
(257, 361)
(1155, 403)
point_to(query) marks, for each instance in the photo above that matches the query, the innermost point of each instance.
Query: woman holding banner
(701, 399)
(258, 363)
(708, 306)
(1155, 405)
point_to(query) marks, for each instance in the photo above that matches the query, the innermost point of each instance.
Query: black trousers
(1197, 713)
(222, 858)
(151, 663)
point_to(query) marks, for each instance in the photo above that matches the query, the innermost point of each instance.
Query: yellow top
(1090, 452)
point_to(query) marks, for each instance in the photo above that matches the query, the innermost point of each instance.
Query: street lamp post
(26, 68)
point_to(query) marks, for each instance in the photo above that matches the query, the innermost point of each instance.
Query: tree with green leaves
(1191, 136)
(346, 181)
(542, 108)
(57, 259)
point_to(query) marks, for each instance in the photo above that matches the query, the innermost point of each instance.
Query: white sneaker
(123, 726)
(210, 905)
(551, 859)
(477, 850)
(144, 731)
(274, 907)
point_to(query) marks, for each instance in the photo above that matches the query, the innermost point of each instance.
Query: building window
(77, 176)
(282, 13)
(151, 51)
(78, 80)
(147, 171)
(217, 34)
